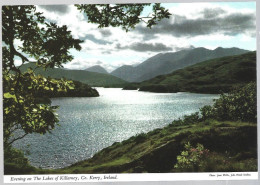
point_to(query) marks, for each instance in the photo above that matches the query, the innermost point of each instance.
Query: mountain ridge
(91, 78)
(210, 76)
(97, 69)
(165, 63)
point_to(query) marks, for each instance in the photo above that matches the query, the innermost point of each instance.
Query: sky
(209, 25)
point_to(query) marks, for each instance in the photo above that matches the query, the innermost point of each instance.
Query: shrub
(15, 162)
(238, 105)
(191, 158)
(187, 120)
(199, 159)
(140, 138)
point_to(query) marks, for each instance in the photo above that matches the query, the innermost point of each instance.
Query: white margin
(161, 178)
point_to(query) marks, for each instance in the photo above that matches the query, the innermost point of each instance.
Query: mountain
(86, 77)
(125, 72)
(211, 76)
(97, 69)
(165, 63)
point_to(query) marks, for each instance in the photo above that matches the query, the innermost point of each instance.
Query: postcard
(135, 91)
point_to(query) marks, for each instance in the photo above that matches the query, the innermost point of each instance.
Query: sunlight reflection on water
(88, 125)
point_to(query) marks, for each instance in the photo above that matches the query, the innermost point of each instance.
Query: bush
(16, 163)
(140, 138)
(199, 159)
(238, 105)
(191, 158)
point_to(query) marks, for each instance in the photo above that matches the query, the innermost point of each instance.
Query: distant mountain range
(160, 64)
(165, 63)
(211, 76)
(97, 69)
(91, 78)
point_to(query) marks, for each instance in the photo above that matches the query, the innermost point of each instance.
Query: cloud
(211, 21)
(105, 32)
(200, 24)
(210, 13)
(60, 9)
(94, 39)
(141, 47)
(184, 48)
(106, 52)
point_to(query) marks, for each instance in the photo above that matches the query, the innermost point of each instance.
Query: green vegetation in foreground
(91, 78)
(222, 137)
(211, 76)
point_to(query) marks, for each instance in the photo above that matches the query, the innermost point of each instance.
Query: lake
(88, 125)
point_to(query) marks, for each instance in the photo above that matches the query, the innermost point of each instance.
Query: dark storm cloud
(94, 39)
(141, 47)
(179, 26)
(61, 9)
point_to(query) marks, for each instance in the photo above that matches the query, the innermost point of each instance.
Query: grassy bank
(157, 151)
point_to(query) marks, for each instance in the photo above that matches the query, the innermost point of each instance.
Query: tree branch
(8, 144)
(24, 59)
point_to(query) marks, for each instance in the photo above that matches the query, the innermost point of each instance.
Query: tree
(126, 16)
(48, 44)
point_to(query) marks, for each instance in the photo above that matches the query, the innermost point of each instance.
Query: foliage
(126, 16)
(46, 42)
(79, 90)
(140, 137)
(49, 45)
(191, 158)
(238, 105)
(199, 159)
(15, 162)
(21, 107)
(187, 120)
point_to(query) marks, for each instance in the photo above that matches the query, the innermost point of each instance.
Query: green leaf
(9, 95)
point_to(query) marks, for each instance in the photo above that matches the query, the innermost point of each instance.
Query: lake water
(88, 125)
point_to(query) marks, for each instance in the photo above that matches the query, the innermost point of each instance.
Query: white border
(249, 178)
(130, 177)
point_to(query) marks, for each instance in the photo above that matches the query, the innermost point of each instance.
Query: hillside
(86, 77)
(157, 151)
(165, 63)
(97, 69)
(126, 72)
(211, 76)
